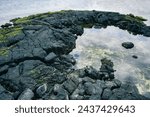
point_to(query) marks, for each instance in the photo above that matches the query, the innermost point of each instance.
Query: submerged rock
(128, 45)
(135, 57)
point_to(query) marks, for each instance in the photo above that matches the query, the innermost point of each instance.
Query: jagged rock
(69, 85)
(26, 95)
(50, 57)
(4, 94)
(113, 84)
(78, 94)
(59, 93)
(39, 52)
(106, 70)
(6, 25)
(41, 90)
(69, 58)
(128, 45)
(106, 94)
(92, 89)
(4, 69)
(91, 72)
(146, 31)
(27, 82)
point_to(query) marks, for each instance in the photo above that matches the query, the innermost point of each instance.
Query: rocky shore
(35, 62)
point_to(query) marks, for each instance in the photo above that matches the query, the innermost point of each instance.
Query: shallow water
(96, 44)
(18, 8)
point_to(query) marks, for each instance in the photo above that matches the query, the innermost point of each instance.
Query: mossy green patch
(2, 38)
(87, 25)
(4, 51)
(22, 20)
(35, 74)
(28, 19)
(138, 19)
(9, 32)
(15, 32)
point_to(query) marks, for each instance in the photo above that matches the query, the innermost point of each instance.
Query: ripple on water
(96, 44)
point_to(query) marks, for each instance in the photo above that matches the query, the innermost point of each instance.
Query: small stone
(69, 85)
(59, 93)
(50, 57)
(41, 90)
(135, 57)
(26, 95)
(128, 45)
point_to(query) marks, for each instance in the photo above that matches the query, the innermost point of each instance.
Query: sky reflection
(17, 8)
(107, 43)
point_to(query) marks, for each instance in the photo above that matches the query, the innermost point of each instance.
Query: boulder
(26, 95)
(128, 45)
(50, 57)
(41, 90)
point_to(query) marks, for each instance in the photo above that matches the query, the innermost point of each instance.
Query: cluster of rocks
(82, 84)
(35, 61)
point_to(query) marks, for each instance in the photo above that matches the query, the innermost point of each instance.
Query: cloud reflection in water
(96, 44)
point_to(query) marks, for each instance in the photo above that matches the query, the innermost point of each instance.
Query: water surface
(96, 44)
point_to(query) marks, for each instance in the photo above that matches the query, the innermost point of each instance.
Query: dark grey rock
(6, 25)
(77, 94)
(69, 85)
(39, 52)
(41, 90)
(59, 93)
(27, 82)
(113, 84)
(135, 57)
(26, 95)
(95, 97)
(92, 73)
(106, 94)
(50, 57)
(4, 69)
(92, 89)
(6, 96)
(128, 45)
(1, 89)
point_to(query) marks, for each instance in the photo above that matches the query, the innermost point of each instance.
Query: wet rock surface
(35, 61)
(128, 45)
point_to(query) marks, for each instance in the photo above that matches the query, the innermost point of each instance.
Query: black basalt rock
(128, 45)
